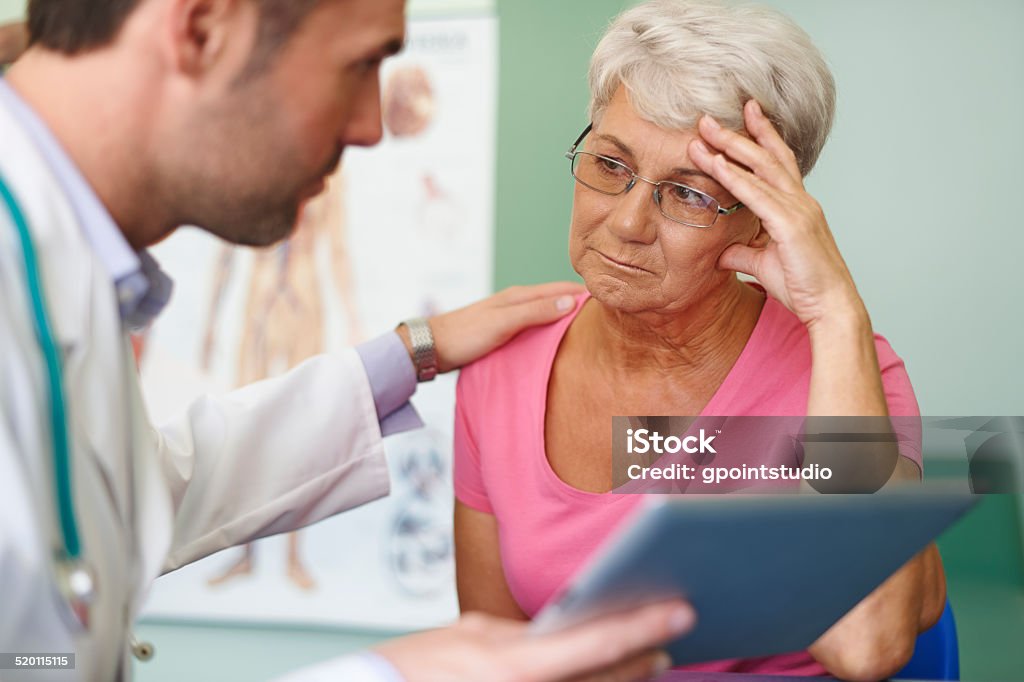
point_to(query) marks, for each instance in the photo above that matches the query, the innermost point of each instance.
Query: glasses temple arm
(572, 149)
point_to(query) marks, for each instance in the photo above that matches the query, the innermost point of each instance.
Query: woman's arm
(801, 266)
(478, 572)
(876, 638)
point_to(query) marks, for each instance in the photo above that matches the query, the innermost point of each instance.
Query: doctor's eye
(365, 66)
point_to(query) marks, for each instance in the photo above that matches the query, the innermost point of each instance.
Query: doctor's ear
(203, 33)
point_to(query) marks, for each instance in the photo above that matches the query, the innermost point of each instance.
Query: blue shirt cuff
(392, 380)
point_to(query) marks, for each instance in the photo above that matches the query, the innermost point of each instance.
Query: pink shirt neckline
(723, 394)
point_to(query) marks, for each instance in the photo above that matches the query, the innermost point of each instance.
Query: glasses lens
(687, 205)
(597, 172)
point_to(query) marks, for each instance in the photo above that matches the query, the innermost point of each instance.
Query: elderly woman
(705, 119)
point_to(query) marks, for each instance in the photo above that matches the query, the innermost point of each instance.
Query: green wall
(11, 9)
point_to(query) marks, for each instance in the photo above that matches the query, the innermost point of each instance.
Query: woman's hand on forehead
(799, 262)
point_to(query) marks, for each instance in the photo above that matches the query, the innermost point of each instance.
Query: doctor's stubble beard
(244, 183)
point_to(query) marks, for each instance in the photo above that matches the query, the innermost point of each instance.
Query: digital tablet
(767, 574)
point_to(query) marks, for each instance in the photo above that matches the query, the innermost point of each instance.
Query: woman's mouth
(622, 265)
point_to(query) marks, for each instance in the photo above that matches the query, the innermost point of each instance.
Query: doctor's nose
(365, 127)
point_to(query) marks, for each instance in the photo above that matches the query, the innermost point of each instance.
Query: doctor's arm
(620, 648)
(286, 452)
(469, 333)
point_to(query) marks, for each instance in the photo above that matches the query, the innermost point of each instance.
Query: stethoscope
(74, 576)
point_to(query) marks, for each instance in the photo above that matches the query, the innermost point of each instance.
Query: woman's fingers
(768, 137)
(750, 154)
(755, 193)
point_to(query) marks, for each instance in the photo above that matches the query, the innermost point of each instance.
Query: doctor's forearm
(302, 446)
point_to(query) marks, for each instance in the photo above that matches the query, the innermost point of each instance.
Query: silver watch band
(424, 353)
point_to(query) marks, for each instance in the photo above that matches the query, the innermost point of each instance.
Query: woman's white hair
(679, 59)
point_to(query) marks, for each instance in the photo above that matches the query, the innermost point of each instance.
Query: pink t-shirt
(547, 529)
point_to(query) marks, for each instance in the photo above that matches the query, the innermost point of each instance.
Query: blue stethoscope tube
(72, 547)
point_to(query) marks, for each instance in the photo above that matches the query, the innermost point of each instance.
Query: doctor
(123, 120)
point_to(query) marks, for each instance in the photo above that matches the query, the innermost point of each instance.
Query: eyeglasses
(677, 202)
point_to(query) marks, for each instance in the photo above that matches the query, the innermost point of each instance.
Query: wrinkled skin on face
(632, 257)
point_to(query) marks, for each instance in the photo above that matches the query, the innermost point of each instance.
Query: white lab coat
(265, 459)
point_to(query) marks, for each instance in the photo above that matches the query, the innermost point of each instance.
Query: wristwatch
(424, 353)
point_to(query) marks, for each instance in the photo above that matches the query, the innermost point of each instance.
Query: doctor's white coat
(264, 459)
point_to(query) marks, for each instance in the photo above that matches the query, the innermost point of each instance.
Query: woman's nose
(635, 216)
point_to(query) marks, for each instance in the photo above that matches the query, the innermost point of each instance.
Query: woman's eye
(687, 195)
(611, 166)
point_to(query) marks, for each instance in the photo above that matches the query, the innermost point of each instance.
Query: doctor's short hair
(679, 59)
(75, 26)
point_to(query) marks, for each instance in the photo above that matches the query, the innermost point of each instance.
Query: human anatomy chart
(401, 230)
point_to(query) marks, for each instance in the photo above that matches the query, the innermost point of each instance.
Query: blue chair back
(936, 656)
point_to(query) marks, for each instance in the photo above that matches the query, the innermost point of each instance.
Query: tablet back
(766, 574)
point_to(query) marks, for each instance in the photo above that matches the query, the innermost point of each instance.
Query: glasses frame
(573, 152)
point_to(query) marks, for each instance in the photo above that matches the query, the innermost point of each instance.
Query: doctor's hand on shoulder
(467, 334)
(618, 648)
